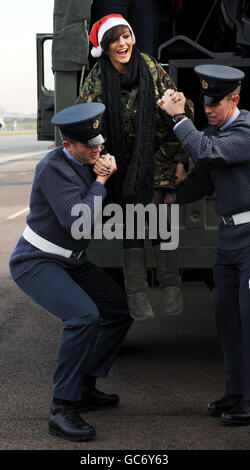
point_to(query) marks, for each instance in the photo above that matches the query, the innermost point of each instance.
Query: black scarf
(133, 182)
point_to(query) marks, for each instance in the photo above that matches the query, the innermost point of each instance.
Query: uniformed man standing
(221, 156)
(50, 265)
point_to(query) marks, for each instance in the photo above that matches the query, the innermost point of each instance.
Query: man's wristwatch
(178, 117)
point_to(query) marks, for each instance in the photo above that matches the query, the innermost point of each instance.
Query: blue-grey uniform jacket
(222, 164)
(59, 184)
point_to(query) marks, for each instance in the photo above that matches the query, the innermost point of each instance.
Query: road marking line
(13, 216)
(21, 156)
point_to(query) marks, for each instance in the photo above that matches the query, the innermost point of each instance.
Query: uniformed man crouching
(51, 267)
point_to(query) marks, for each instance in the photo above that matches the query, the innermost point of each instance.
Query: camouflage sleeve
(169, 150)
(91, 89)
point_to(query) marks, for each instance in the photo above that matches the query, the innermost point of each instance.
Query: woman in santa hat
(140, 137)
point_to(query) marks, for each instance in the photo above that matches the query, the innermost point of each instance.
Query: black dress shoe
(64, 421)
(238, 415)
(93, 399)
(216, 408)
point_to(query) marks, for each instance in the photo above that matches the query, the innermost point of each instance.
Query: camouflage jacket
(169, 151)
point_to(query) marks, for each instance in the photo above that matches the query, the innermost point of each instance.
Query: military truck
(189, 33)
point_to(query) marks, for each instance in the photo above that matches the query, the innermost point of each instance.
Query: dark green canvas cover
(70, 36)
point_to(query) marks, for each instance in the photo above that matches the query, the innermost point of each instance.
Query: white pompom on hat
(100, 27)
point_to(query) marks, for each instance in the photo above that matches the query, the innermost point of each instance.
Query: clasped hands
(105, 167)
(173, 102)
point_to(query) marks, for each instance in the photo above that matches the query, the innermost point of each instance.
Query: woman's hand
(180, 174)
(173, 102)
(105, 167)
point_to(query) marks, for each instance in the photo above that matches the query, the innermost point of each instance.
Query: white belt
(237, 219)
(44, 245)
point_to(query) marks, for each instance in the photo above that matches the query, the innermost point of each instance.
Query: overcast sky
(20, 20)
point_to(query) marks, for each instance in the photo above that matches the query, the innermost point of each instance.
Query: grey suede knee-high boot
(167, 267)
(135, 277)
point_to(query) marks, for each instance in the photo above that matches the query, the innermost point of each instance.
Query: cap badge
(96, 124)
(204, 84)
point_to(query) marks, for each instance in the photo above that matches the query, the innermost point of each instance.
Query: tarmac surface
(166, 372)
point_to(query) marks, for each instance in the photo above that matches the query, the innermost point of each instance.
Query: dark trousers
(232, 307)
(142, 15)
(96, 318)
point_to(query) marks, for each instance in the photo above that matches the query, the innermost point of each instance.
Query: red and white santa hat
(100, 27)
